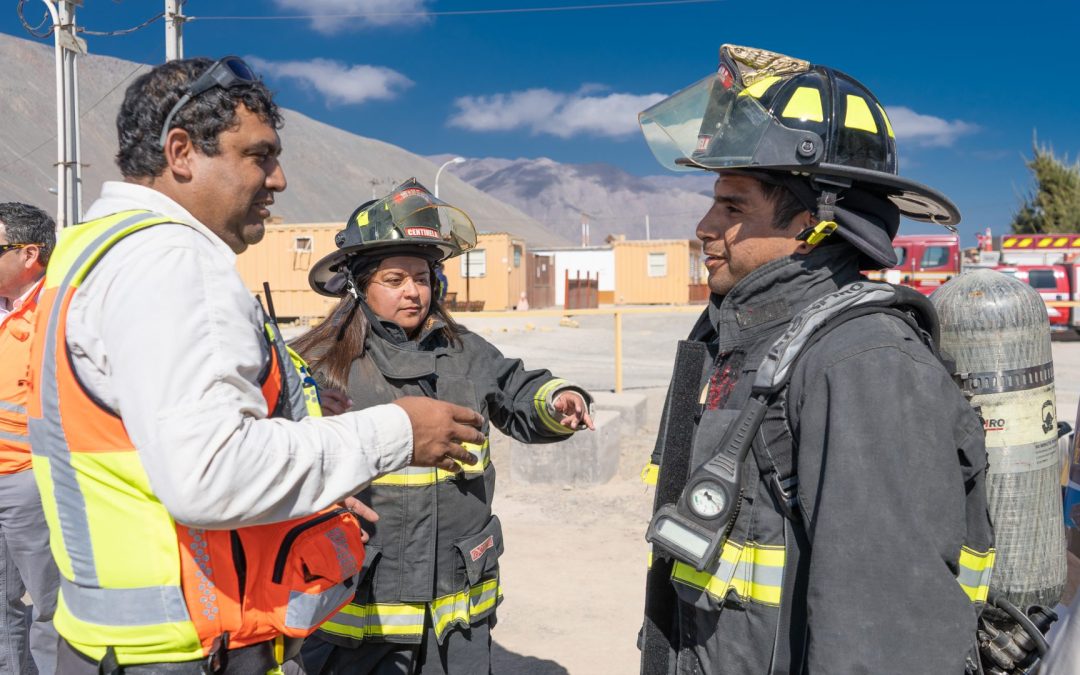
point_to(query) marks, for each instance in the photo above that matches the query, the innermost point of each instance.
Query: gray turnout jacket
(433, 554)
(886, 565)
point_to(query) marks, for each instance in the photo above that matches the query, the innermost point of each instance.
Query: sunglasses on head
(226, 72)
(4, 248)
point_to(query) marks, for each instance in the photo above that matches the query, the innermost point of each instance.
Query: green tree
(1054, 205)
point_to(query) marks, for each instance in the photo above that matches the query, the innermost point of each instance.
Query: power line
(122, 31)
(462, 12)
(83, 114)
(33, 30)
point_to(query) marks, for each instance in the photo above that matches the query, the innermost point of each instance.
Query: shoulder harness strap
(776, 461)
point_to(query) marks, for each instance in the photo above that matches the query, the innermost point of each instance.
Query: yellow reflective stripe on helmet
(805, 105)
(974, 572)
(888, 124)
(540, 402)
(760, 87)
(378, 620)
(754, 572)
(858, 115)
(464, 606)
(419, 476)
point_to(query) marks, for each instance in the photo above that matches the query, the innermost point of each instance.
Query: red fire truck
(1050, 263)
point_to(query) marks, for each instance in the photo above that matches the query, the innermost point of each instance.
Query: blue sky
(966, 84)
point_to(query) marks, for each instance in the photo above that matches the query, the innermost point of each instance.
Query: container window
(302, 244)
(474, 263)
(658, 264)
(517, 256)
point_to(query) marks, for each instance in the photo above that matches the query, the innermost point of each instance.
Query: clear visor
(715, 123)
(413, 213)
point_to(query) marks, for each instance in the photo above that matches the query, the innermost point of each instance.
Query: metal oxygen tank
(997, 330)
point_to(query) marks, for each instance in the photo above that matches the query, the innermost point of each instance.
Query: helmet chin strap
(351, 288)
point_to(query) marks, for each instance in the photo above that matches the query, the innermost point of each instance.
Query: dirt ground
(574, 567)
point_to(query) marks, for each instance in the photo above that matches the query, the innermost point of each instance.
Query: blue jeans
(26, 564)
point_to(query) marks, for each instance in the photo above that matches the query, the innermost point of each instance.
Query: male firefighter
(176, 440)
(27, 237)
(852, 534)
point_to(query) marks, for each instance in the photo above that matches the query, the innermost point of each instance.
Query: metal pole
(68, 169)
(618, 352)
(647, 237)
(174, 30)
(456, 160)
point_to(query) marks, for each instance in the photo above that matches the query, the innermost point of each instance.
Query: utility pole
(174, 30)
(68, 46)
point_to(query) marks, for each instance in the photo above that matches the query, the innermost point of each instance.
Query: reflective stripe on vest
(15, 332)
(973, 573)
(754, 572)
(419, 476)
(540, 402)
(123, 578)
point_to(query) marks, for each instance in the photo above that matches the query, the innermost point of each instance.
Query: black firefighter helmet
(408, 221)
(770, 114)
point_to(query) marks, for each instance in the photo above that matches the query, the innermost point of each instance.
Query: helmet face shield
(708, 126)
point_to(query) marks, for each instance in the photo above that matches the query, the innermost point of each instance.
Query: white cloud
(543, 111)
(338, 82)
(371, 13)
(927, 130)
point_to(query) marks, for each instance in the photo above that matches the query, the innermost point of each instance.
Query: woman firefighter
(427, 597)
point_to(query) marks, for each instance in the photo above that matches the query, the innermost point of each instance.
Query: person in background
(427, 597)
(27, 238)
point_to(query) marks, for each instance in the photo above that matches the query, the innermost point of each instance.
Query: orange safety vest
(132, 579)
(15, 332)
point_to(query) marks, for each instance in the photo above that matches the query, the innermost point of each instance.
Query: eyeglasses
(226, 72)
(4, 248)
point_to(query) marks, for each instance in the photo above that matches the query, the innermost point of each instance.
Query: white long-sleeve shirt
(165, 334)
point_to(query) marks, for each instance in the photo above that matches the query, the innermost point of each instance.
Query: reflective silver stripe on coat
(18, 438)
(380, 620)
(146, 606)
(12, 408)
(294, 386)
(307, 610)
(47, 436)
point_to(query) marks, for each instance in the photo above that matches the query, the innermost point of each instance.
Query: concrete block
(633, 406)
(586, 458)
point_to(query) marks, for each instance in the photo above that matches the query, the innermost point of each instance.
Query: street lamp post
(456, 160)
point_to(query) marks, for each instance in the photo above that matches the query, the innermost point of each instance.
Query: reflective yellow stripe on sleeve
(540, 402)
(974, 572)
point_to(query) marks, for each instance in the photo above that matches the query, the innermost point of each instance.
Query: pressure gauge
(707, 499)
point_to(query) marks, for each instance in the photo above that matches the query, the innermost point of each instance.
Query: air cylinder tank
(997, 330)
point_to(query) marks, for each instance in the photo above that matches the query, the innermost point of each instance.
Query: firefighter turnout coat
(436, 546)
(885, 566)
